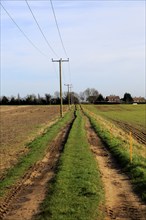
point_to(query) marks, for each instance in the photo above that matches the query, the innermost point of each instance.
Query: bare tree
(82, 96)
(56, 94)
(91, 94)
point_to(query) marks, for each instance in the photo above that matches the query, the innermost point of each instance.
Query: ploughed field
(18, 126)
(79, 166)
(128, 117)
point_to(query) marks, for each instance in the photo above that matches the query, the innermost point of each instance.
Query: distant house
(113, 98)
(139, 99)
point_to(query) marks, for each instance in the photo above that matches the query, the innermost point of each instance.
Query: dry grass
(117, 141)
(117, 132)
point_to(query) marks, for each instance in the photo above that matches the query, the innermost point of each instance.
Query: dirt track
(121, 202)
(24, 200)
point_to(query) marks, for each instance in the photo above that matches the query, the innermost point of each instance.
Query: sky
(104, 41)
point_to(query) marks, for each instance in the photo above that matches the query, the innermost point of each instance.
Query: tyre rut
(121, 202)
(24, 199)
(140, 136)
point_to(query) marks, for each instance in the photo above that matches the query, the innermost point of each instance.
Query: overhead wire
(30, 41)
(55, 17)
(41, 29)
(58, 28)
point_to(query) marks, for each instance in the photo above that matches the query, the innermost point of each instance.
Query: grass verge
(37, 150)
(136, 170)
(76, 192)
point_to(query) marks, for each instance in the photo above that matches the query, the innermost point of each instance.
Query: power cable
(60, 38)
(40, 29)
(58, 28)
(22, 31)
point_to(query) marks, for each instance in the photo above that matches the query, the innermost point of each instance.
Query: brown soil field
(121, 202)
(25, 198)
(18, 126)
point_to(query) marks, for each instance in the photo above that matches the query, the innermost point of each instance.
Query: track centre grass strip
(76, 192)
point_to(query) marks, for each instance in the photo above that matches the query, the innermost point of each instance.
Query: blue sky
(104, 40)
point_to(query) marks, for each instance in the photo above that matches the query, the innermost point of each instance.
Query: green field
(135, 115)
(76, 188)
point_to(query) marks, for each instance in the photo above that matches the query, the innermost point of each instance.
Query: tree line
(94, 97)
(90, 95)
(32, 99)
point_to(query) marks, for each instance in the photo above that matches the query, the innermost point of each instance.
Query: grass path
(76, 192)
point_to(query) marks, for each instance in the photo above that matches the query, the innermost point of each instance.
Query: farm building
(113, 98)
(139, 99)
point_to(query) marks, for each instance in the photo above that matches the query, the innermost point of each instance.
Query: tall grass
(76, 192)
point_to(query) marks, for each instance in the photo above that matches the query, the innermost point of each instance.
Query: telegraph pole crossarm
(60, 73)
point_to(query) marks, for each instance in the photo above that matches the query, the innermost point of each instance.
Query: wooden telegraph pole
(60, 74)
(69, 86)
